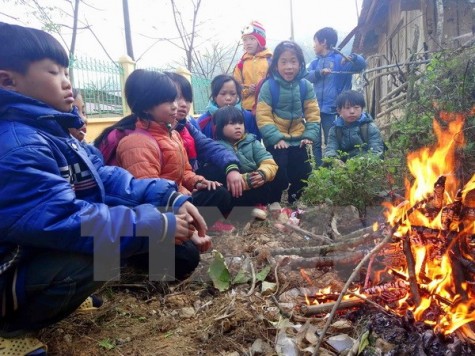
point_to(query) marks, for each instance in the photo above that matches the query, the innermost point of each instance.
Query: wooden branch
(348, 282)
(309, 310)
(295, 262)
(324, 249)
(320, 238)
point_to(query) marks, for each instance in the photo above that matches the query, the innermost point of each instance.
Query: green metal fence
(201, 93)
(100, 85)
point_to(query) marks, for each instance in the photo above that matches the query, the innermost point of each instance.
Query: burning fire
(437, 236)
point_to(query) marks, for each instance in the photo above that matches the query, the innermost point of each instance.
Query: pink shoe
(220, 226)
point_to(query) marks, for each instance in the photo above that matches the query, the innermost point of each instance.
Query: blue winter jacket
(55, 196)
(351, 140)
(328, 87)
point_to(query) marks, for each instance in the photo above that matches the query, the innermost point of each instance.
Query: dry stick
(319, 238)
(411, 268)
(347, 285)
(367, 300)
(295, 262)
(251, 291)
(324, 249)
(309, 310)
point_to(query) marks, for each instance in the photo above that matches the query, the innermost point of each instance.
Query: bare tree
(187, 37)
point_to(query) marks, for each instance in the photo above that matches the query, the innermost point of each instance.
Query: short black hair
(327, 34)
(145, 89)
(20, 46)
(351, 97)
(218, 82)
(224, 116)
(184, 84)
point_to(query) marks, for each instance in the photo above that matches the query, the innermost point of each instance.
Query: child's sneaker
(92, 303)
(23, 345)
(220, 226)
(259, 212)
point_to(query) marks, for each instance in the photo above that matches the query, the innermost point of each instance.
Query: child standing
(67, 220)
(225, 90)
(354, 131)
(289, 122)
(257, 165)
(253, 65)
(331, 73)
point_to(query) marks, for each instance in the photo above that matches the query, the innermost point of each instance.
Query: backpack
(108, 146)
(274, 88)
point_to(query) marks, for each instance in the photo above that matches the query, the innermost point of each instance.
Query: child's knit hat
(257, 30)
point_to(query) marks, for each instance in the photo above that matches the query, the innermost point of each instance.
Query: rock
(187, 312)
(341, 342)
(346, 219)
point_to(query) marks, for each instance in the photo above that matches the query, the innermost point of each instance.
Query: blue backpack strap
(275, 91)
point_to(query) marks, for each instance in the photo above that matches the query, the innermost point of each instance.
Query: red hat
(257, 30)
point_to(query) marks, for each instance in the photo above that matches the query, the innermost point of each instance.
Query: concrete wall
(95, 126)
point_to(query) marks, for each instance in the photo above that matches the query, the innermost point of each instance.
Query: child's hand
(305, 142)
(257, 180)
(281, 144)
(207, 184)
(325, 71)
(184, 228)
(234, 183)
(197, 219)
(202, 242)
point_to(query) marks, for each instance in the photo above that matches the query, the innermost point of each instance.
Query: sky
(221, 21)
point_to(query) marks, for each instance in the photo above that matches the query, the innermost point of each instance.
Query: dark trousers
(55, 284)
(326, 123)
(294, 167)
(213, 204)
(186, 259)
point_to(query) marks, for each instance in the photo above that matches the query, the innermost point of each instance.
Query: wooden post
(128, 66)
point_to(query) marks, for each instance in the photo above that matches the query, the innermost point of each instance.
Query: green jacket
(253, 156)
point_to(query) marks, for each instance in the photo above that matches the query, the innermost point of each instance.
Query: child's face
(233, 131)
(79, 103)
(182, 105)
(319, 47)
(228, 95)
(80, 133)
(250, 44)
(288, 65)
(350, 113)
(45, 81)
(165, 112)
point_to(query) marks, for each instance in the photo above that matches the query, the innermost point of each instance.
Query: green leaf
(261, 276)
(364, 342)
(219, 272)
(242, 277)
(107, 344)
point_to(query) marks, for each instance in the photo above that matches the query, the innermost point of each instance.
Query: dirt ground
(194, 318)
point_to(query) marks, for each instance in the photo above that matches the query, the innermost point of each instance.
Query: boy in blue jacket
(67, 220)
(354, 131)
(331, 74)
